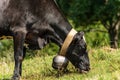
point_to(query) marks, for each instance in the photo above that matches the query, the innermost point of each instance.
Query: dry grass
(105, 65)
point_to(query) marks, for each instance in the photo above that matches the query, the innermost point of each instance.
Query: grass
(105, 65)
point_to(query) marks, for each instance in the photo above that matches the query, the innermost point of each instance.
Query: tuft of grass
(105, 65)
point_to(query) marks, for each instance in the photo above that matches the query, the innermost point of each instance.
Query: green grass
(105, 65)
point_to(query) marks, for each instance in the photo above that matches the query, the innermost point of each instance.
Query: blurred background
(99, 19)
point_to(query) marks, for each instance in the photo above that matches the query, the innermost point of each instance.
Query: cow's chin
(81, 71)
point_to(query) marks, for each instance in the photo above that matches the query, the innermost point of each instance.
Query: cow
(36, 23)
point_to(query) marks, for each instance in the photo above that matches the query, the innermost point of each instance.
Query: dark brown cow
(36, 22)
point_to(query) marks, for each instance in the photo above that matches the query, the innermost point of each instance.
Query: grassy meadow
(105, 65)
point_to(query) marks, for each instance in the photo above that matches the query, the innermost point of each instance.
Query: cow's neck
(62, 30)
(66, 34)
(54, 16)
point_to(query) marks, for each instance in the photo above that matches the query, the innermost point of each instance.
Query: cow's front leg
(19, 38)
(24, 53)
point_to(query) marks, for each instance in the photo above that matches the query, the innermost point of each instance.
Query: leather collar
(67, 42)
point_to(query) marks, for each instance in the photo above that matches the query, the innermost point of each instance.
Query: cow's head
(78, 54)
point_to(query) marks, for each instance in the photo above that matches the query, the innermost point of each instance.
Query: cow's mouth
(82, 71)
(86, 70)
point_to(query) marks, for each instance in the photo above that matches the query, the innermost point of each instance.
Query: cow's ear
(81, 33)
(78, 36)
